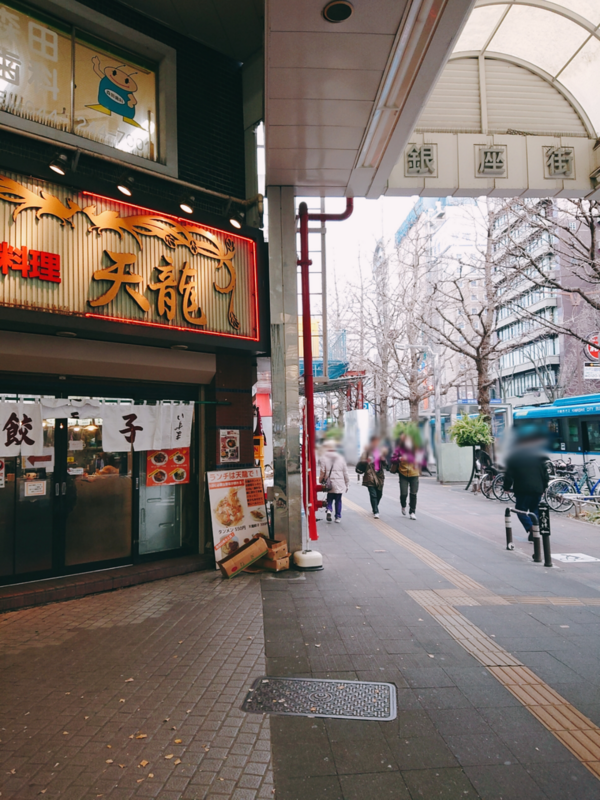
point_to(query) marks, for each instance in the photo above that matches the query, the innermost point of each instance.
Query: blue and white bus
(573, 423)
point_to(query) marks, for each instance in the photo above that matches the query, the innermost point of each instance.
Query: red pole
(305, 262)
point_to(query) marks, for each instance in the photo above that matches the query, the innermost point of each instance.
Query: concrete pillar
(285, 369)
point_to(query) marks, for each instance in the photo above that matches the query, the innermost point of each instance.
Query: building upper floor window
(61, 77)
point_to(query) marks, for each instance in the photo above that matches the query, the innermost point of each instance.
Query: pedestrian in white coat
(334, 475)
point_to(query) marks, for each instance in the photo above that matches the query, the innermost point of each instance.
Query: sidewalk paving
(400, 601)
(135, 693)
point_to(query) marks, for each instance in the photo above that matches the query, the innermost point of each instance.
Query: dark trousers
(334, 497)
(527, 502)
(405, 485)
(375, 495)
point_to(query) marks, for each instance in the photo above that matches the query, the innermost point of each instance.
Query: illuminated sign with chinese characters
(90, 256)
(71, 82)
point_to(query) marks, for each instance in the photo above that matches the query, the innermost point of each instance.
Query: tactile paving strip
(309, 697)
(574, 730)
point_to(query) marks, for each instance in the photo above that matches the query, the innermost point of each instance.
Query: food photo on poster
(238, 511)
(168, 467)
(229, 446)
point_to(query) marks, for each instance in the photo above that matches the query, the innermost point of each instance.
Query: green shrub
(471, 431)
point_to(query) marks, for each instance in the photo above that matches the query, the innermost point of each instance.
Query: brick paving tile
(193, 644)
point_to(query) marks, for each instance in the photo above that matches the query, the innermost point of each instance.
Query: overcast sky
(356, 237)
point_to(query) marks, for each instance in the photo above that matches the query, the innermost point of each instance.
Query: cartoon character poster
(115, 101)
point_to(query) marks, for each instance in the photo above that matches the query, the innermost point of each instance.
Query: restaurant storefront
(132, 289)
(129, 339)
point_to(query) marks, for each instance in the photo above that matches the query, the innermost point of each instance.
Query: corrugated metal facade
(521, 100)
(84, 251)
(454, 103)
(517, 99)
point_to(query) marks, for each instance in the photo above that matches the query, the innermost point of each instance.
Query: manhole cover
(308, 697)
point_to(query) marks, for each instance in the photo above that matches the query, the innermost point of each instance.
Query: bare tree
(553, 246)
(374, 310)
(385, 333)
(413, 353)
(464, 325)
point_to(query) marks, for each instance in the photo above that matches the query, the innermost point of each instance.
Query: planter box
(454, 463)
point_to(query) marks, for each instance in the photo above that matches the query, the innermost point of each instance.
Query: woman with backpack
(334, 478)
(371, 467)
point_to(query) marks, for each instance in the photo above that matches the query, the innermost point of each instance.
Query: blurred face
(375, 442)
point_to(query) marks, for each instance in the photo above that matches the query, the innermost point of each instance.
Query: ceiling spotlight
(67, 334)
(236, 219)
(125, 185)
(179, 347)
(60, 164)
(187, 203)
(338, 11)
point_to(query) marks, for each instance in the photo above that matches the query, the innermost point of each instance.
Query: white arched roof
(557, 41)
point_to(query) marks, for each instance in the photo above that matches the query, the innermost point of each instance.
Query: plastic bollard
(508, 526)
(544, 518)
(537, 549)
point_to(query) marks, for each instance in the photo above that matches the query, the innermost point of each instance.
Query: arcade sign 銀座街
(89, 256)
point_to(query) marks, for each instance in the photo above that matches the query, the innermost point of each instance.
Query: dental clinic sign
(79, 254)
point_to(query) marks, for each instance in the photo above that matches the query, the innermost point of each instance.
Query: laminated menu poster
(229, 446)
(166, 467)
(237, 506)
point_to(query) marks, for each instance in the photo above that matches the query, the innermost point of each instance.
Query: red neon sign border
(185, 220)
(189, 223)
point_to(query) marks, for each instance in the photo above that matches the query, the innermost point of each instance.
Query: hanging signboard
(229, 446)
(83, 255)
(238, 511)
(168, 467)
(126, 426)
(21, 430)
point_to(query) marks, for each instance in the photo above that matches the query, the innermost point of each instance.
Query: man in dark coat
(527, 475)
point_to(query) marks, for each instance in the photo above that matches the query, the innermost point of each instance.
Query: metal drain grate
(308, 697)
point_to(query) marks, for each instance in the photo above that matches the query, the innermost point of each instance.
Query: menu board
(237, 506)
(167, 467)
(229, 446)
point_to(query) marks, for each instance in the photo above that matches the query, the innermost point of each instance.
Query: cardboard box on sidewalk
(275, 549)
(247, 554)
(274, 564)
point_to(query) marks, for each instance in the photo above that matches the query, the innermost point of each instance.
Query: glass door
(97, 501)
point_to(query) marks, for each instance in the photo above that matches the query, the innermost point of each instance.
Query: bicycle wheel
(499, 491)
(557, 495)
(486, 486)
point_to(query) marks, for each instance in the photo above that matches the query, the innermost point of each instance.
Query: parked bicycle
(490, 478)
(572, 482)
